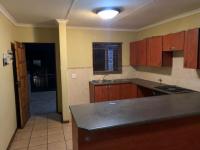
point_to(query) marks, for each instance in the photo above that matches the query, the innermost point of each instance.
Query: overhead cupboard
(158, 51)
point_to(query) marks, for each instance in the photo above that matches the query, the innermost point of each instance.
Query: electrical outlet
(74, 76)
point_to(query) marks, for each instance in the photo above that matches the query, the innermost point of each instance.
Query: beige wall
(79, 45)
(189, 78)
(7, 98)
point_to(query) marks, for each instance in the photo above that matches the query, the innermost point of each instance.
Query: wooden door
(128, 90)
(154, 51)
(191, 49)
(21, 82)
(114, 92)
(101, 93)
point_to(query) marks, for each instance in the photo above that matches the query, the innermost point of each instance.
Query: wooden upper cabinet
(138, 53)
(154, 51)
(192, 49)
(155, 56)
(174, 41)
(132, 54)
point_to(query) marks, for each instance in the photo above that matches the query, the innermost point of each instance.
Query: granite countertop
(140, 82)
(134, 112)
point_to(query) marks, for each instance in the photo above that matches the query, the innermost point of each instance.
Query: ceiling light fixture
(108, 13)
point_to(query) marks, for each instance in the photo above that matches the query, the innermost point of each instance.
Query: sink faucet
(160, 80)
(105, 76)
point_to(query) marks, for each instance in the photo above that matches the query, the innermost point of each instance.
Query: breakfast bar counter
(168, 122)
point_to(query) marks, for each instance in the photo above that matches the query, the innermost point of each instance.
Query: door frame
(54, 44)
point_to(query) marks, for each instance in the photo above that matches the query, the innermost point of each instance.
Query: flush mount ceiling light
(108, 13)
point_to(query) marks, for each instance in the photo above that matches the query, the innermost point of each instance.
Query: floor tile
(40, 147)
(22, 136)
(38, 141)
(55, 131)
(39, 133)
(19, 144)
(69, 145)
(56, 138)
(57, 146)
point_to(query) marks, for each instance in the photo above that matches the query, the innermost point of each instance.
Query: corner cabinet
(174, 41)
(155, 55)
(192, 49)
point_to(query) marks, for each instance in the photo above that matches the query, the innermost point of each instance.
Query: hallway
(42, 102)
(44, 132)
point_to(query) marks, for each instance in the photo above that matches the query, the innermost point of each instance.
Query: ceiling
(136, 14)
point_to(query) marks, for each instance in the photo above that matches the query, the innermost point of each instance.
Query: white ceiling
(136, 13)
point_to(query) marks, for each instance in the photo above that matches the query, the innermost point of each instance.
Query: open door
(21, 83)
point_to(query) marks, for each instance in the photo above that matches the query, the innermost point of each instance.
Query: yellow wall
(178, 75)
(79, 43)
(7, 98)
(181, 24)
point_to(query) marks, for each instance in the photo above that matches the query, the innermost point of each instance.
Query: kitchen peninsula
(167, 122)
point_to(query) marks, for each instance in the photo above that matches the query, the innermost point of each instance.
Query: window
(107, 58)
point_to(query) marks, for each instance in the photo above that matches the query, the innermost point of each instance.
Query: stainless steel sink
(103, 81)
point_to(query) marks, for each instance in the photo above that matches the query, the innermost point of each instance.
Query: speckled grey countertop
(138, 111)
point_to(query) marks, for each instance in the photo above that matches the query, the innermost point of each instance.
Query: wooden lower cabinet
(100, 93)
(114, 92)
(128, 90)
(144, 92)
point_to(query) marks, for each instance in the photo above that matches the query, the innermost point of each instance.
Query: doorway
(41, 68)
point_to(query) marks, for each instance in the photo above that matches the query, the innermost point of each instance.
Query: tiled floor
(44, 132)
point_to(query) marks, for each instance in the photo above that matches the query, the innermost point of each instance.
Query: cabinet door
(141, 52)
(191, 49)
(174, 41)
(128, 90)
(154, 51)
(114, 91)
(132, 54)
(144, 92)
(101, 93)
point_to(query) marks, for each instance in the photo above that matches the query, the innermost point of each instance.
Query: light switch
(74, 76)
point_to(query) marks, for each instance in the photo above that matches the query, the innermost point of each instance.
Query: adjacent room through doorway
(41, 67)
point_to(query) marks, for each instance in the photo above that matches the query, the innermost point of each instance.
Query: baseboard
(67, 121)
(11, 140)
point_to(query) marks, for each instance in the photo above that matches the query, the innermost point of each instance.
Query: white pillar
(62, 23)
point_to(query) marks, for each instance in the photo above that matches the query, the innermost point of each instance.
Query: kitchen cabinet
(113, 91)
(192, 49)
(174, 41)
(144, 92)
(138, 53)
(128, 90)
(155, 56)
(99, 93)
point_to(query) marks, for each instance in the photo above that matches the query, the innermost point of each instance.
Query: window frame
(119, 61)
